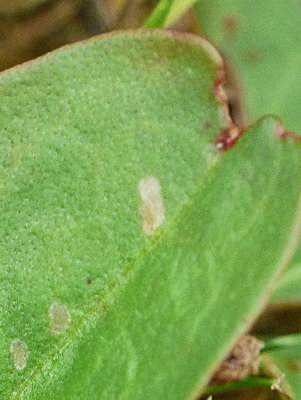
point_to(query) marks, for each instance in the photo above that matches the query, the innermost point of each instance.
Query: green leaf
(262, 38)
(134, 253)
(288, 346)
(168, 12)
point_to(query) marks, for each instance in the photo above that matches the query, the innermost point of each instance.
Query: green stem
(158, 17)
(168, 12)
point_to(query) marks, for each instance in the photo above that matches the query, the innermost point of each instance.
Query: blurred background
(30, 28)
(259, 42)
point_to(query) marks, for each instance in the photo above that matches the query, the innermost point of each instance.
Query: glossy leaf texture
(168, 12)
(262, 39)
(133, 251)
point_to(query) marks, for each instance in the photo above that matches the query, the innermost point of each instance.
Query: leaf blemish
(253, 56)
(60, 318)
(152, 207)
(287, 135)
(20, 354)
(231, 24)
(229, 137)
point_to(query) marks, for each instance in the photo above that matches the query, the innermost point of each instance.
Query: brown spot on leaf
(152, 207)
(231, 24)
(208, 126)
(254, 56)
(60, 318)
(242, 362)
(20, 354)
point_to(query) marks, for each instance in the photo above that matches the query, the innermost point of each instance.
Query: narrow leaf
(286, 346)
(243, 390)
(168, 12)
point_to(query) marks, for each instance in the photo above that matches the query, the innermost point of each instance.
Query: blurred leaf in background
(168, 12)
(31, 28)
(262, 38)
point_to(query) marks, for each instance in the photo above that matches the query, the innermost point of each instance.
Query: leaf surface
(133, 251)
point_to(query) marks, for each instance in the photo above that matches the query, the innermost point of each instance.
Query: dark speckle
(254, 56)
(89, 281)
(207, 126)
(231, 24)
